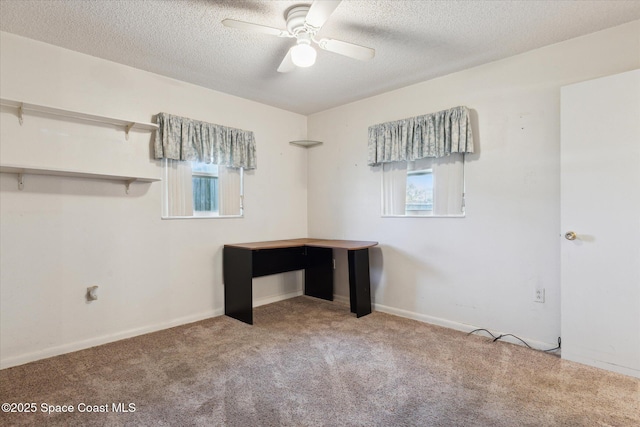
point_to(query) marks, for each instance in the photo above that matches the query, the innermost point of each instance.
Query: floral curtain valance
(432, 135)
(180, 138)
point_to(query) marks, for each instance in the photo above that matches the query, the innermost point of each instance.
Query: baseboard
(463, 327)
(338, 299)
(105, 339)
(342, 300)
(567, 355)
(275, 298)
(538, 345)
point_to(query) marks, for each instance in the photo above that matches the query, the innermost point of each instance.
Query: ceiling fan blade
(287, 64)
(248, 26)
(320, 11)
(347, 49)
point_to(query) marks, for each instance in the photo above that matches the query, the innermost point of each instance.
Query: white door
(600, 203)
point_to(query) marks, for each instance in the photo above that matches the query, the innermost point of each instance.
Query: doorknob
(570, 235)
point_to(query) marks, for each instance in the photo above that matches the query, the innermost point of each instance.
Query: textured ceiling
(414, 40)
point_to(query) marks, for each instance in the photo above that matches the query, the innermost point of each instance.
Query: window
(419, 191)
(201, 190)
(205, 189)
(427, 187)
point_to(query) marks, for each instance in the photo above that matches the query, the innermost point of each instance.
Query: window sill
(424, 216)
(202, 217)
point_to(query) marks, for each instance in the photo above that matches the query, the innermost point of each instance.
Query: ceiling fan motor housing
(296, 19)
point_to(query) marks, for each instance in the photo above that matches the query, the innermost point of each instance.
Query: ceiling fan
(303, 23)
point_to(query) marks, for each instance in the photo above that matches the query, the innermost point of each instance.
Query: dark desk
(244, 261)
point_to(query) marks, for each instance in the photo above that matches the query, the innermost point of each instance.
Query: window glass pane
(205, 194)
(419, 191)
(425, 187)
(207, 168)
(193, 189)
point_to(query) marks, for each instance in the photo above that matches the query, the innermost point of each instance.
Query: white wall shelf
(26, 108)
(23, 170)
(305, 143)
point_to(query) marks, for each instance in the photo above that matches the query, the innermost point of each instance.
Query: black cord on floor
(499, 337)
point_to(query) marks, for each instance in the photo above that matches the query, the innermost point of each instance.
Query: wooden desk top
(292, 243)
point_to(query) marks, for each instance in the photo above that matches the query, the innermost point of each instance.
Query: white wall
(60, 235)
(479, 271)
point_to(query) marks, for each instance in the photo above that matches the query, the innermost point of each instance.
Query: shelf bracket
(127, 129)
(20, 182)
(20, 119)
(127, 184)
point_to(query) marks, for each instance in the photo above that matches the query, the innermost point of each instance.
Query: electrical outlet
(539, 295)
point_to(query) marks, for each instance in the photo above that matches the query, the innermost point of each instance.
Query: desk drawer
(280, 260)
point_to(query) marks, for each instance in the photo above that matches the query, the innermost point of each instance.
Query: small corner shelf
(126, 125)
(305, 143)
(22, 170)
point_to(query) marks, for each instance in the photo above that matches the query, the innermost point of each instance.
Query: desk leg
(318, 274)
(238, 293)
(359, 283)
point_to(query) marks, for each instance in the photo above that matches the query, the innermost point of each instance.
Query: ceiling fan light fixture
(303, 54)
(304, 21)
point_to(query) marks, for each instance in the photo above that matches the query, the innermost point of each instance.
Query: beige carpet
(307, 362)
